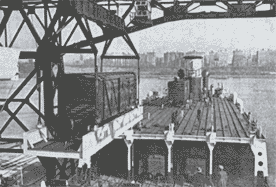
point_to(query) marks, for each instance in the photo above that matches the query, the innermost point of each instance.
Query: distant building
(266, 57)
(173, 59)
(255, 59)
(159, 62)
(129, 62)
(261, 55)
(272, 58)
(205, 60)
(151, 58)
(223, 58)
(239, 58)
(166, 59)
(179, 56)
(169, 57)
(249, 58)
(211, 62)
(216, 59)
(143, 60)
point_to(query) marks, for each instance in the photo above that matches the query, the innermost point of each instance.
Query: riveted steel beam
(158, 4)
(7, 14)
(30, 25)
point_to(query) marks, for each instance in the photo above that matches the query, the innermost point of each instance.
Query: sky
(183, 35)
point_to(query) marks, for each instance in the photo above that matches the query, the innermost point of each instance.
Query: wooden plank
(230, 120)
(180, 118)
(152, 110)
(153, 116)
(44, 145)
(165, 117)
(234, 118)
(159, 131)
(146, 131)
(192, 120)
(224, 124)
(160, 101)
(149, 109)
(162, 114)
(218, 123)
(157, 102)
(154, 130)
(240, 127)
(184, 123)
(142, 131)
(148, 122)
(202, 127)
(150, 130)
(196, 125)
(244, 124)
(210, 118)
(143, 185)
(168, 120)
(56, 146)
(164, 121)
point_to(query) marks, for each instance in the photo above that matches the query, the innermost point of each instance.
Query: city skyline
(221, 58)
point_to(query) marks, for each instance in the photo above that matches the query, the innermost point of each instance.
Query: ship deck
(229, 123)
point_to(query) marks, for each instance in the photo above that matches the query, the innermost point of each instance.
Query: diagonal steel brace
(106, 46)
(30, 25)
(87, 34)
(129, 42)
(128, 10)
(7, 14)
(13, 115)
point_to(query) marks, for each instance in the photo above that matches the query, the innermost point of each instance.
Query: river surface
(258, 95)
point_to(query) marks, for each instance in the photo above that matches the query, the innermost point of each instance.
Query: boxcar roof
(228, 121)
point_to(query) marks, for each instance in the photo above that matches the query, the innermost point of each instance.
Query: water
(258, 95)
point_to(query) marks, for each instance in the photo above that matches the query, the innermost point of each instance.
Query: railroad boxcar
(77, 98)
